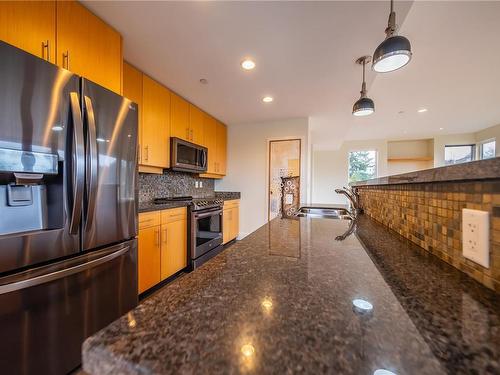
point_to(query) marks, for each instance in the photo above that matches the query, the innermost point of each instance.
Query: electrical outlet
(201, 184)
(196, 184)
(476, 236)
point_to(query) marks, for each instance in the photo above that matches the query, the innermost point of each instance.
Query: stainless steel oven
(205, 234)
(187, 156)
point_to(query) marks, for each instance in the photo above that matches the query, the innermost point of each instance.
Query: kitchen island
(281, 301)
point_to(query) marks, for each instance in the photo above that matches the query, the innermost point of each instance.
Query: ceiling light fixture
(422, 110)
(248, 64)
(267, 99)
(364, 106)
(395, 51)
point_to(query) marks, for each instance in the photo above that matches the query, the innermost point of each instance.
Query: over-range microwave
(187, 156)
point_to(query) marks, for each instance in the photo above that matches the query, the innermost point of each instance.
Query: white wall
(330, 169)
(247, 169)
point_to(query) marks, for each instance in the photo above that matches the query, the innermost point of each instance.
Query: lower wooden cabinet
(162, 245)
(230, 220)
(149, 258)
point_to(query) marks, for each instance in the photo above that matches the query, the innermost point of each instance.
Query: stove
(196, 204)
(204, 227)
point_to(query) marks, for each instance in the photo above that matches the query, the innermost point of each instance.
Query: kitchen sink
(328, 213)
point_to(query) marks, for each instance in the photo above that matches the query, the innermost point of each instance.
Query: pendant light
(364, 106)
(394, 52)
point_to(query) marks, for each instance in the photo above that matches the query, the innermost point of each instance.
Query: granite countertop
(283, 295)
(476, 170)
(150, 206)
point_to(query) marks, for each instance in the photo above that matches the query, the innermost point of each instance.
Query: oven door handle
(207, 214)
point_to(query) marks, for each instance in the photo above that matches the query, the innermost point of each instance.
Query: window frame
(480, 148)
(363, 150)
(473, 152)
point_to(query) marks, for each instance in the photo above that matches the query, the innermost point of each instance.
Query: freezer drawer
(46, 313)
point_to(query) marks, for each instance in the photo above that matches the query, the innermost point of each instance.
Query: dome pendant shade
(392, 54)
(363, 107)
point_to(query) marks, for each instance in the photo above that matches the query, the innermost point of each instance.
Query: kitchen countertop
(287, 290)
(150, 206)
(476, 170)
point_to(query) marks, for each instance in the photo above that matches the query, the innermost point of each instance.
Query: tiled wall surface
(172, 184)
(430, 215)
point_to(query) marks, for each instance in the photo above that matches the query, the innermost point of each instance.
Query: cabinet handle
(164, 239)
(146, 149)
(139, 153)
(66, 58)
(192, 134)
(157, 237)
(46, 47)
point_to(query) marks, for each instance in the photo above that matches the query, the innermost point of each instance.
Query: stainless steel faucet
(353, 197)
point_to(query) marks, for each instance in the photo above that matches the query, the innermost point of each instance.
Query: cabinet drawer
(174, 214)
(231, 203)
(149, 219)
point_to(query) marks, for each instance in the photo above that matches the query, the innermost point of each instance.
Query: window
(457, 154)
(487, 149)
(362, 165)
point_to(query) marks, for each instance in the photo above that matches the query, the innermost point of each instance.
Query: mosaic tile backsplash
(172, 184)
(430, 215)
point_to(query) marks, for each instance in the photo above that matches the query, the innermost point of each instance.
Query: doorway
(284, 177)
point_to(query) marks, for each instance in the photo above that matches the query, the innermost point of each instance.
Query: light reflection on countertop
(281, 301)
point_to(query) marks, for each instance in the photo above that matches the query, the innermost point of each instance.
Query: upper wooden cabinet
(210, 141)
(221, 154)
(88, 46)
(31, 26)
(155, 147)
(179, 118)
(132, 89)
(215, 139)
(196, 124)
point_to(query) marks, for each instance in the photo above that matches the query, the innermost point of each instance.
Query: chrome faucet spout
(353, 200)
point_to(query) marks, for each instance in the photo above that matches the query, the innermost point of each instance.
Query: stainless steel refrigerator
(68, 215)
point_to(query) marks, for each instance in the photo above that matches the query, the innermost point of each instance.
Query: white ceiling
(305, 54)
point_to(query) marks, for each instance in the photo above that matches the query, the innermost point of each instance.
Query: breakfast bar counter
(282, 301)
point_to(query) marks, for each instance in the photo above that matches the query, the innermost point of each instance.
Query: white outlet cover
(196, 184)
(476, 236)
(201, 184)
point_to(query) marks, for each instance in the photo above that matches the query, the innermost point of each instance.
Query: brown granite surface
(280, 302)
(430, 215)
(476, 170)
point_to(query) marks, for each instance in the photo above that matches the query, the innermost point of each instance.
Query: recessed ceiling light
(248, 64)
(422, 110)
(267, 99)
(441, 128)
(57, 128)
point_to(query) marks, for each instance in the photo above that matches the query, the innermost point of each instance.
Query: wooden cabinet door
(227, 214)
(132, 89)
(196, 125)
(31, 26)
(179, 120)
(221, 154)
(235, 221)
(149, 256)
(209, 135)
(155, 124)
(88, 46)
(173, 247)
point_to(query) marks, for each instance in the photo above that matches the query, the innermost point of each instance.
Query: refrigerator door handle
(78, 164)
(92, 162)
(56, 275)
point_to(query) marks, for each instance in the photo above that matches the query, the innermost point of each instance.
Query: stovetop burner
(195, 203)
